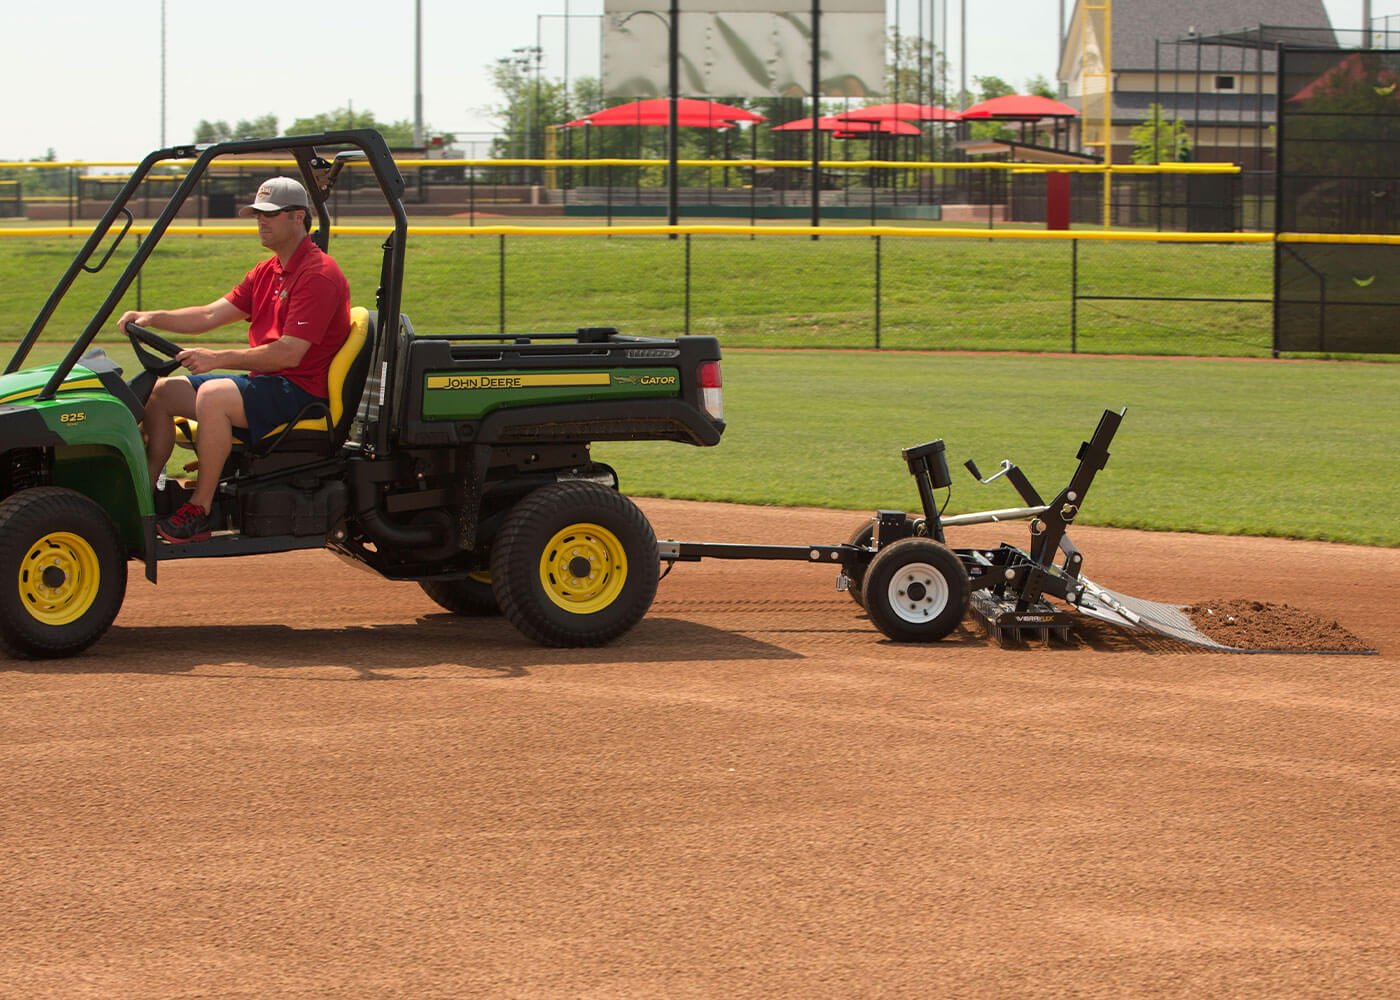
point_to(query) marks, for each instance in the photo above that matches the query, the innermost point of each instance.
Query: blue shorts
(268, 401)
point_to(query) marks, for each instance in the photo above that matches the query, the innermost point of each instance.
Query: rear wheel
(864, 537)
(574, 564)
(62, 572)
(916, 590)
(471, 597)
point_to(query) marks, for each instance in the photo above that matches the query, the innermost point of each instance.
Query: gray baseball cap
(277, 193)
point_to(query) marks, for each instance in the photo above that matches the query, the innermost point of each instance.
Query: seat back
(348, 371)
(345, 379)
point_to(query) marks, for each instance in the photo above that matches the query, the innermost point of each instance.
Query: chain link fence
(846, 289)
(624, 192)
(861, 291)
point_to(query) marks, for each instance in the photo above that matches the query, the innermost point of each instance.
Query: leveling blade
(1170, 620)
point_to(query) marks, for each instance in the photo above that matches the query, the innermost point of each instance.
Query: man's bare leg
(171, 398)
(219, 409)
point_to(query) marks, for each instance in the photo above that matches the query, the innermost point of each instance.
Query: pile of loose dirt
(1261, 625)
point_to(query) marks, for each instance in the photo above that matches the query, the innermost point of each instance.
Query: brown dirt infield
(285, 777)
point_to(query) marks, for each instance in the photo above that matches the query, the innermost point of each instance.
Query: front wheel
(916, 590)
(574, 564)
(62, 572)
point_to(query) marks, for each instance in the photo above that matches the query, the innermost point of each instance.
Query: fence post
(687, 283)
(753, 198)
(877, 293)
(501, 256)
(1073, 296)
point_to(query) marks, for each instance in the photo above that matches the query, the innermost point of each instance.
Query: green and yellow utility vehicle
(459, 461)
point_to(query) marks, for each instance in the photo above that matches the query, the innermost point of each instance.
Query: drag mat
(281, 776)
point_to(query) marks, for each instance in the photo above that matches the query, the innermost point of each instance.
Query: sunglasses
(277, 211)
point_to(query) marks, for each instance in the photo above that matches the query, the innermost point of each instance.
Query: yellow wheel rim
(583, 568)
(59, 578)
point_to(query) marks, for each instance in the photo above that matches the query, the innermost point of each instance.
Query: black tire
(916, 590)
(62, 572)
(574, 564)
(472, 597)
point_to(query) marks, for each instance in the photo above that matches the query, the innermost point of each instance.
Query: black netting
(1339, 141)
(1339, 172)
(1338, 298)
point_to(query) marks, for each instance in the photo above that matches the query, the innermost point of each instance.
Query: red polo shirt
(308, 299)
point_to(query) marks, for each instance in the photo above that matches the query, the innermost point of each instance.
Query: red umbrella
(904, 111)
(1020, 107)
(690, 113)
(849, 128)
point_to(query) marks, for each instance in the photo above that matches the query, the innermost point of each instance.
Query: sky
(87, 84)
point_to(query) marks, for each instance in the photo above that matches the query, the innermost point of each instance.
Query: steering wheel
(153, 367)
(139, 335)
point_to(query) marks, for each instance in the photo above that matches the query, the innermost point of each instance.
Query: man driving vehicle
(297, 305)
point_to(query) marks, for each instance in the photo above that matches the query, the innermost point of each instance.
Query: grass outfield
(772, 291)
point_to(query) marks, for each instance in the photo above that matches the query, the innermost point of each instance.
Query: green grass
(1292, 449)
(772, 291)
(1298, 449)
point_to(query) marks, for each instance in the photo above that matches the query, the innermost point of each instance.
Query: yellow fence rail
(921, 165)
(1094, 235)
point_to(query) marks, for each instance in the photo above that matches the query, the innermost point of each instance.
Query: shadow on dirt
(484, 649)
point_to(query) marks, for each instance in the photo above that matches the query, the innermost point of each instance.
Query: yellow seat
(345, 381)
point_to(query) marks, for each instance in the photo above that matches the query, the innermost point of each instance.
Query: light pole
(962, 56)
(673, 87)
(162, 73)
(526, 55)
(568, 20)
(418, 73)
(816, 112)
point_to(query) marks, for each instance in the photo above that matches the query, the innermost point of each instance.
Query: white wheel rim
(918, 593)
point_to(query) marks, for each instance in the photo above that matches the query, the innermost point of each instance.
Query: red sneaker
(188, 524)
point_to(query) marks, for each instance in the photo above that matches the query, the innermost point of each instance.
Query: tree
(532, 104)
(914, 70)
(1040, 87)
(397, 134)
(1158, 139)
(263, 127)
(39, 181)
(990, 87)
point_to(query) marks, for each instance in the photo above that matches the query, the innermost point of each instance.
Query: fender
(95, 449)
(24, 427)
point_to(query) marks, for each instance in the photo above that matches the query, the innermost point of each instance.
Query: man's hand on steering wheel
(139, 335)
(199, 360)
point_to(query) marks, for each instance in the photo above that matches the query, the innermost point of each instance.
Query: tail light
(712, 390)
